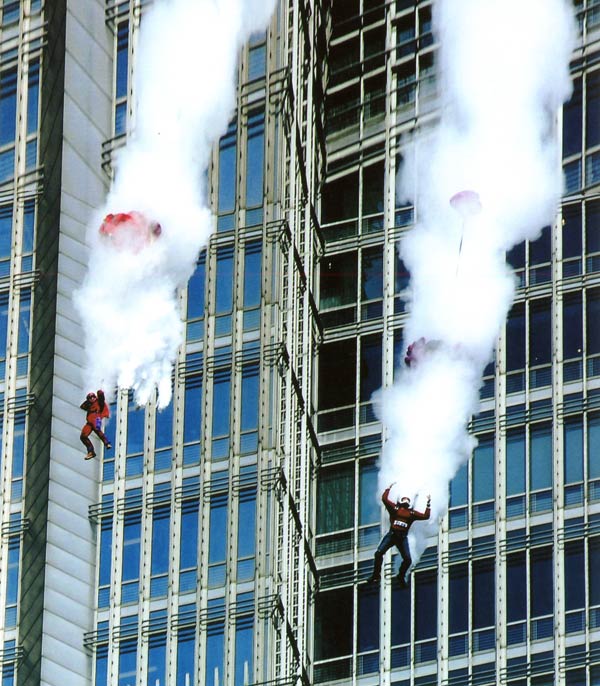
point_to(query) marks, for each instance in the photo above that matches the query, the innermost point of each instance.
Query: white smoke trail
(185, 87)
(503, 72)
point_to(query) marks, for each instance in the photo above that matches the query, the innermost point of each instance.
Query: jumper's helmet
(404, 501)
(91, 396)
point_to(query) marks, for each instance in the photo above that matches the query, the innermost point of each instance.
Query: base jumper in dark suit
(401, 517)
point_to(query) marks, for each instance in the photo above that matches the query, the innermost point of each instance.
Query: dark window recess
(340, 199)
(572, 117)
(339, 274)
(337, 374)
(333, 623)
(571, 231)
(572, 325)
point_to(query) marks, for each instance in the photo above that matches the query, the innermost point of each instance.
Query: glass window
(425, 605)
(371, 366)
(121, 78)
(33, 94)
(515, 339)
(186, 667)
(127, 663)
(333, 623)
(593, 322)
(458, 487)
(157, 660)
(195, 302)
(28, 226)
(574, 575)
(101, 666)
(400, 619)
(105, 566)
(244, 642)
(458, 599)
(224, 297)
(252, 274)
(367, 634)
(218, 530)
(339, 275)
(255, 158)
(573, 439)
(250, 383)
(247, 524)
(540, 333)
(3, 324)
(8, 106)
(401, 273)
(368, 504)
(572, 326)
(372, 190)
(10, 12)
(571, 231)
(337, 374)
(122, 60)
(24, 321)
(515, 462)
(163, 436)
(135, 427)
(227, 169)
(188, 550)
(340, 199)
(132, 529)
(484, 593)
(540, 457)
(592, 226)
(5, 233)
(516, 257)
(335, 498)
(18, 457)
(483, 471)
(593, 567)
(593, 447)
(372, 273)
(192, 412)
(257, 61)
(12, 581)
(516, 581)
(542, 582)
(160, 540)
(214, 655)
(540, 250)
(592, 130)
(572, 119)
(221, 400)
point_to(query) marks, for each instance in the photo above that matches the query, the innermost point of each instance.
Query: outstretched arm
(426, 514)
(385, 497)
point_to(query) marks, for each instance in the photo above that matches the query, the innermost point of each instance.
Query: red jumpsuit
(401, 518)
(97, 409)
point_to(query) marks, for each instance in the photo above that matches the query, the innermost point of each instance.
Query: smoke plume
(185, 88)
(503, 72)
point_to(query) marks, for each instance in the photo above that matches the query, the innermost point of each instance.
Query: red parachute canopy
(130, 230)
(466, 203)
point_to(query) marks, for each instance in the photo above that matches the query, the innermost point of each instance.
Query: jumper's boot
(376, 574)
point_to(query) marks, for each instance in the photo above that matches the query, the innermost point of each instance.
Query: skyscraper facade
(226, 539)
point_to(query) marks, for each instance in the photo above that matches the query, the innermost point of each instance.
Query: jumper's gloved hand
(428, 501)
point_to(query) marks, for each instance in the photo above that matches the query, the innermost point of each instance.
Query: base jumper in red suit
(96, 408)
(401, 518)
